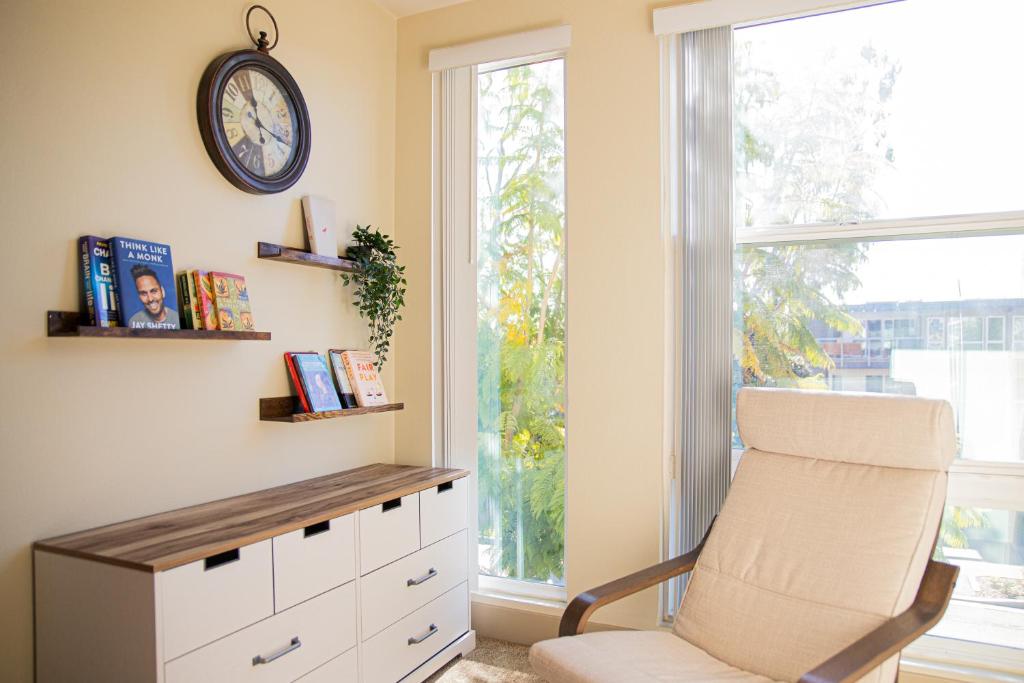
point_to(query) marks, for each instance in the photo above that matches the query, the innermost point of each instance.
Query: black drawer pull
(221, 559)
(391, 504)
(447, 486)
(318, 528)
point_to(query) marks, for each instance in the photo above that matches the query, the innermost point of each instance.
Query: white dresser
(355, 576)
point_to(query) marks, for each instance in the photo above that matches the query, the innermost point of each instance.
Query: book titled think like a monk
(145, 284)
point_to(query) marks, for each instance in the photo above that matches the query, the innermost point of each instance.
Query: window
(994, 334)
(850, 116)
(521, 322)
(832, 139)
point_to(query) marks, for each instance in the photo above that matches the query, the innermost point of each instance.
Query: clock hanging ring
(253, 118)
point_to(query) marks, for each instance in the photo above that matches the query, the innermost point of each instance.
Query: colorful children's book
(319, 216)
(99, 293)
(348, 397)
(316, 382)
(204, 300)
(289, 363)
(231, 298)
(361, 367)
(144, 274)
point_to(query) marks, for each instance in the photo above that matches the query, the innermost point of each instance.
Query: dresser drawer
(313, 560)
(399, 649)
(208, 599)
(443, 510)
(288, 644)
(388, 531)
(341, 669)
(401, 587)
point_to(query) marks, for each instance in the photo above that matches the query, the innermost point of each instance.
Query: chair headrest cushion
(868, 429)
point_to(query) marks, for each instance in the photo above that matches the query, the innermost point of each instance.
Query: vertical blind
(706, 265)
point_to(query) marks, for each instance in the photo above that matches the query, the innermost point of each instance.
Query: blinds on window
(706, 277)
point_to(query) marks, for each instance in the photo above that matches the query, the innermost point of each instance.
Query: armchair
(818, 567)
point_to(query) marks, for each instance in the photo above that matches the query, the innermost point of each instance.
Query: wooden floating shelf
(287, 409)
(277, 252)
(65, 324)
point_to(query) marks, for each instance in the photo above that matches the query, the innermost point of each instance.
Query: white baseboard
(461, 646)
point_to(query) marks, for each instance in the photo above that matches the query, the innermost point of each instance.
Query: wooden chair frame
(847, 665)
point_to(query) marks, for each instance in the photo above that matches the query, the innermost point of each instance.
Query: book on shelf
(319, 215)
(345, 392)
(361, 367)
(98, 301)
(316, 383)
(231, 299)
(187, 322)
(204, 300)
(293, 375)
(146, 294)
(194, 314)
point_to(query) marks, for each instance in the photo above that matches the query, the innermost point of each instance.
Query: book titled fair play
(321, 228)
(361, 367)
(145, 284)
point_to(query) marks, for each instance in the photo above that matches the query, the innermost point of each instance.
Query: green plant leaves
(379, 286)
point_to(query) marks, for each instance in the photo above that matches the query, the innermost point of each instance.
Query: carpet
(493, 661)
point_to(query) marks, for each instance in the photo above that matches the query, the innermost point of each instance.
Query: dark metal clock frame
(208, 106)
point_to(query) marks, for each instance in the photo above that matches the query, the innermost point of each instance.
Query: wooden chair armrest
(576, 615)
(877, 646)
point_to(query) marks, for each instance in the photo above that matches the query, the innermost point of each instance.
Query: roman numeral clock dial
(253, 118)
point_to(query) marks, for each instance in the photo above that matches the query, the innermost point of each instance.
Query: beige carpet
(493, 661)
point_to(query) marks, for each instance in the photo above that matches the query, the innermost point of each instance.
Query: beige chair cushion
(814, 549)
(630, 657)
(869, 429)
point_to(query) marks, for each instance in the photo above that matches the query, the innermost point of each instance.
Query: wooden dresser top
(171, 539)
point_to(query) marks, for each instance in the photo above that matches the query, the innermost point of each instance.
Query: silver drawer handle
(420, 639)
(292, 647)
(426, 577)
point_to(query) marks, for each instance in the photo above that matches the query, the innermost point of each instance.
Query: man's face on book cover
(151, 294)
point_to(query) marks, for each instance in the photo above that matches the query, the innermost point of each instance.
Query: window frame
(970, 480)
(972, 483)
(454, 297)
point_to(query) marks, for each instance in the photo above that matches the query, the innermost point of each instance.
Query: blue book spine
(99, 293)
(144, 277)
(316, 382)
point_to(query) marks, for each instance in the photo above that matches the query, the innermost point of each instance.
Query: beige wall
(615, 285)
(98, 135)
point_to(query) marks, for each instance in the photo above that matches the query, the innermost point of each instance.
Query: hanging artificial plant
(379, 286)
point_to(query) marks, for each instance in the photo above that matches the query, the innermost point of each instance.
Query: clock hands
(254, 114)
(258, 126)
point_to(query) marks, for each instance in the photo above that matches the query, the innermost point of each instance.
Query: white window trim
(981, 484)
(697, 16)
(454, 269)
(511, 589)
(936, 226)
(531, 45)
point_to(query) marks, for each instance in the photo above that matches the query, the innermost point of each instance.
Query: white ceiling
(403, 8)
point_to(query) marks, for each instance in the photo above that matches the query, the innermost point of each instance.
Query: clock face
(259, 122)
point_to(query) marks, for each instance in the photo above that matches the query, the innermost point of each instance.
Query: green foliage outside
(521, 322)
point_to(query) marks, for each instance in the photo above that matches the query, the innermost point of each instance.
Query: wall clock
(252, 117)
